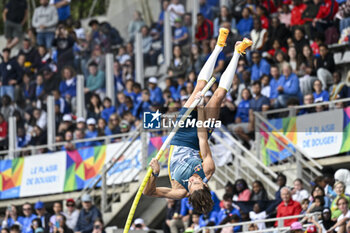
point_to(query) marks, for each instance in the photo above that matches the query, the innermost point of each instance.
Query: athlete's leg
(212, 109)
(207, 70)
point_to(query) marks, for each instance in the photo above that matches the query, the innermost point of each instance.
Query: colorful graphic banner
(43, 174)
(11, 177)
(317, 134)
(66, 171)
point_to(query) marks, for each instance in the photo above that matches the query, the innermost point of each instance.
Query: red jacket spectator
(3, 129)
(264, 22)
(287, 207)
(270, 6)
(297, 12)
(328, 10)
(204, 28)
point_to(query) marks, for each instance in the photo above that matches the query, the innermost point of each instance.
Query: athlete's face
(195, 183)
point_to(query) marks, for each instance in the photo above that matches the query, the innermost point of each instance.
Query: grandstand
(74, 93)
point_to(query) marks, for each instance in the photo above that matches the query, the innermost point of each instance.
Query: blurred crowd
(289, 64)
(329, 199)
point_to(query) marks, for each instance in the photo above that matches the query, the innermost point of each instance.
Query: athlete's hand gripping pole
(159, 155)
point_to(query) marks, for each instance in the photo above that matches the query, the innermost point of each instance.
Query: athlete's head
(200, 196)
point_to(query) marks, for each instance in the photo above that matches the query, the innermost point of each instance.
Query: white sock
(227, 77)
(207, 70)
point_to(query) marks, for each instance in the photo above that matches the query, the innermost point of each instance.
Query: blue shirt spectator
(107, 112)
(140, 108)
(273, 88)
(156, 95)
(180, 33)
(243, 110)
(290, 84)
(321, 97)
(26, 220)
(244, 26)
(227, 209)
(206, 10)
(68, 87)
(63, 9)
(260, 66)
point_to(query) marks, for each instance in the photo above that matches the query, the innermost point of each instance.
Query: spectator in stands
(288, 87)
(299, 40)
(327, 222)
(36, 226)
(325, 15)
(15, 229)
(296, 14)
(143, 106)
(88, 214)
(197, 60)
(179, 64)
(91, 132)
(63, 43)
(225, 16)
(281, 182)
(339, 189)
(51, 81)
(108, 109)
(43, 216)
(287, 207)
(325, 66)
(11, 217)
(258, 102)
(344, 215)
(242, 127)
(14, 15)
(160, 22)
(204, 28)
(98, 226)
(245, 25)
(135, 25)
(258, 192)
(257, 215)
(285, 15)
(260, 66)
(45, 19)
(180, 35)
(57, 209)
(3, 131)
(139, 224)
(63, 9)
(173, 222)
(319, 94)
(318, 191)
(10, 74)
(26, 220)
(68, 85)
(113, 125)
(298, 192)
(226, 210)
(259, 36)
(96, 79)
(156, 96)
(278, 31)
(338, 90)
(176, 10)
(241, 191)
(61, 225)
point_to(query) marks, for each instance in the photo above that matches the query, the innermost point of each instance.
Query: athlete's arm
(152, 190)
(208, 162)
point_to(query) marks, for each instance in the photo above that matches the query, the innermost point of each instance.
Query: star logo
(151, 120)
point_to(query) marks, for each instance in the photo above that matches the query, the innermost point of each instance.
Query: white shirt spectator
(257, 38)
(258, 216)
(72, 218)
(175, 10)
(300, 195)
(341, 217)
